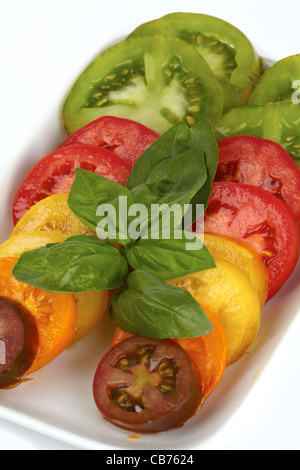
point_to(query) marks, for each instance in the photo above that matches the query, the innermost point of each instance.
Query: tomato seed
(194, 109)
(167, 372)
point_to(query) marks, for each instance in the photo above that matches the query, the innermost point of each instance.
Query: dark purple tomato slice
(146, 385)
(18, 343)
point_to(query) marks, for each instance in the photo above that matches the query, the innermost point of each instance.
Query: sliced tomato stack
(108, 146)
(251, 229)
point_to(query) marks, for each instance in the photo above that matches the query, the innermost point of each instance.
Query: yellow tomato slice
(90, 306)
(16, 245)
(244, 257)
(52, 214)
(230, 293)
(55, 314)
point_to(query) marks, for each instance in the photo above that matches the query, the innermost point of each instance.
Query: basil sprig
(158, 309)
(177, 169)
(196, 152)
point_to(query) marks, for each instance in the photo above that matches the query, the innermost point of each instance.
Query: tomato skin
(143, 381)
(253, 215)
(19, 333)
(208, 353)
(127, 139)
(262, 163)
(55, 173)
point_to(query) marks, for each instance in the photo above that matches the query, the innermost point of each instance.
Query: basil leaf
(171, 143)
(90, 191)
(79, 264)
(170, 258)
(202, 136)
(179, 140)
(173, 181)
(150, 307)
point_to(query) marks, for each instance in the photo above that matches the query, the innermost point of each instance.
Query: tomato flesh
(256, 217)
(262, 163)
(155, 82)
(146, 385)
(277, 84)
(55, 173)
(18, 343)
(128, 139)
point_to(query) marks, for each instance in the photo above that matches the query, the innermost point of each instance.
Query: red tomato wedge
(256, 217)
(262, 163)
(128, 139)
(55, 173)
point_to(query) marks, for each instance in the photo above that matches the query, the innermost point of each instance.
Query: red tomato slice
(256, 217)
(55, 173)
(262, 163)
(128, 139)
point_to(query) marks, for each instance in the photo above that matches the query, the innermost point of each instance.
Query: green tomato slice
(226, 49)
(279, 122)
(281, 82)
(155, 81)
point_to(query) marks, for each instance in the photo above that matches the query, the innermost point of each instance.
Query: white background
(43, 46)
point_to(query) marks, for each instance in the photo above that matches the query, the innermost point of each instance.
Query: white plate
(58, 402)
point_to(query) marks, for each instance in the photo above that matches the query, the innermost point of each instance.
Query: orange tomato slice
(55, 314)
(209, 354)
